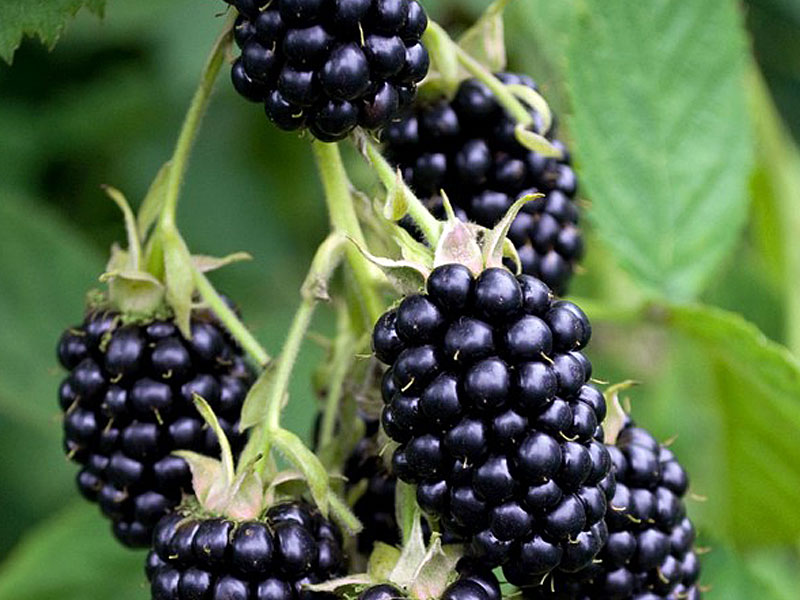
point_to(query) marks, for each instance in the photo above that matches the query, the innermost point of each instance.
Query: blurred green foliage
(106, 105)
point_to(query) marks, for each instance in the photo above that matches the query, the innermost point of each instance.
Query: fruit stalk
(191, 124)
(345, 221)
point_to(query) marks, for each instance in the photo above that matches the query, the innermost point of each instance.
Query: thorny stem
(191, 123)
(429, 225)
(344, 220)
(229, 319)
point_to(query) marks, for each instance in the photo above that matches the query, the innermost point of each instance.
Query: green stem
(191, 124)
(325, 261)
(504, 96)
(343, 351)
(344, 220)
(286, 362)
(429, 225)
(229, 319)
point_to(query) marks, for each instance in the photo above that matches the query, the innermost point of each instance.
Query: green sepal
(179, 279)
(382, 561)
(412, 555)
(485, 40)
(153, 202)
(616, 417)
(307, 463)
(535, 100)
(436, 571)
(407, 277)
(207, 264)
(254, 409)
(458, 243)
(536, 143)
(444, 74)
(494, 242)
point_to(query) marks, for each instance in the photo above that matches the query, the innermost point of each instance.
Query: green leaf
(46, 269)
(759, 392)
(72, 556)
(45, 20)
(661, 125)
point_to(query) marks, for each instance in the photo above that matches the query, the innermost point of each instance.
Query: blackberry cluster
(271, 560)
(375, 507)
(649, 554)
(474, 583)
(127, 405)
(467, 148)
(488, 398)
(330, 65)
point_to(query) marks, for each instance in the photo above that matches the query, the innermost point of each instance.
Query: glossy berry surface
(497, 424)
(473, 583)
(330, 65)
(650, 549)
(466, 147)
(127, 405)
(256, 560)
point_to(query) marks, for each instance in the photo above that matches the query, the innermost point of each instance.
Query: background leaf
(44, 19)
(759, 405)
(662, 134)
(66, 558)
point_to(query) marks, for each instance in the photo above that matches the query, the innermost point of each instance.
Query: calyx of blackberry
(155, 277)
(476, 247)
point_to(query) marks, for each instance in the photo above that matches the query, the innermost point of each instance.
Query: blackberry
(474, 583)
(466, 146)
(496, 422)
(127, 405)
(269, 559)
(649, 553)
(330, 65)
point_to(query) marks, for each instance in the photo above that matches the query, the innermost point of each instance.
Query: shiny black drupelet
(127, 405)
(466, 146)
(330, 65)
(488, 397)
(269, 559)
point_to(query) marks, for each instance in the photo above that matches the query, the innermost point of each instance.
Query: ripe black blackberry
(474, 583)
(269, 559)
(466, 146)
(127, 405)
(489, 401)
(330, 65)
(649, 554)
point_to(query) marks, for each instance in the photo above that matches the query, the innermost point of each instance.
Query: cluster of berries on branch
(330, 65)
(466, 147)
(128, 405)
(269, 559)
(487, 394)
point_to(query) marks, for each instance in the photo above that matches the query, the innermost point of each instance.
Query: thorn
(599, 381)
(698, 497)
(77, 332)
(73, 407)
(107, 428)
(158, 416)
(456, 355)
(407, 386)
(597, 561)
(701, 550)
(167, 375)
(619, 508)
(546, 358)
(569, 439)
(116, 378)
(633, 519)
(361, 34)
(71, 454)
(661, 576)
(706, 588)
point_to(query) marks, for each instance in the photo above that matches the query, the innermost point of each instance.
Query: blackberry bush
(267, 559)
(467, 147)
(497, 425)
(330, 65)
(127, 405)
(650, 551)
